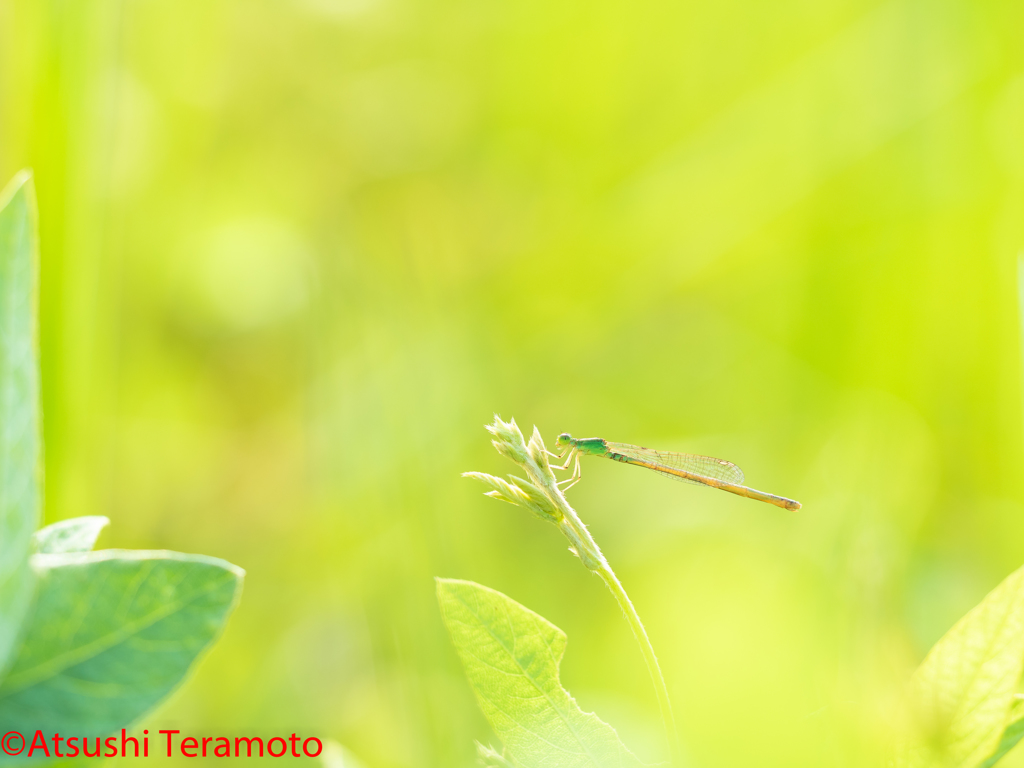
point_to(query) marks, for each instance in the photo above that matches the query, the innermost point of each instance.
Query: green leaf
(962, 693)
(77, 534)
(334, 755)
(111, 633)
(1011, 734)
(20, 442)
(511, 656)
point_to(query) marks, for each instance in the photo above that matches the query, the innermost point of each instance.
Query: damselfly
(688, 467)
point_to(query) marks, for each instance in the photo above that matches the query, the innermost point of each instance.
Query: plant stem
(647, 649)
(590, 554)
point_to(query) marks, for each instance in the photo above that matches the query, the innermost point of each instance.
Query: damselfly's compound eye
(564, 439)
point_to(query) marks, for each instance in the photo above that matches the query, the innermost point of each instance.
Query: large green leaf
(110, 634)
(511, 656)
(20, 442)
(962, 693)
(77, 534)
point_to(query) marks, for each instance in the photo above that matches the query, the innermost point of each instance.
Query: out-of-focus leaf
(110, 634)
(334, 755)
(962, 693)
(77, 534)
(1012, 734)
(20, 441)
(511, 656)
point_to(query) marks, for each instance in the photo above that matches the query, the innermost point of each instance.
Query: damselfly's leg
(576, 475)
(564, 453)
(568, 459)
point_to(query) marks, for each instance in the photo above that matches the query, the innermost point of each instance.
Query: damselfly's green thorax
(688, 467)
(592, 446)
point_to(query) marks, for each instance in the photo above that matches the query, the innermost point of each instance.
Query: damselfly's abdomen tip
(794, 505)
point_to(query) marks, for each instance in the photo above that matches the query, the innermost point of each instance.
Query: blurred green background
(296, 253)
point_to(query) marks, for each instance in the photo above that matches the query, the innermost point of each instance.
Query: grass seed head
(518, 492)
(508, 440)
(538, 452)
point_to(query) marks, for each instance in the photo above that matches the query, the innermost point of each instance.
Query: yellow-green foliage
(295, 252)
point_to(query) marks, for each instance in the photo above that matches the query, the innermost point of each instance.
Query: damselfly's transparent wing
(699, 466)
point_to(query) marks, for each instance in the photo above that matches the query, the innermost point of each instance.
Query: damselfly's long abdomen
(689, 477)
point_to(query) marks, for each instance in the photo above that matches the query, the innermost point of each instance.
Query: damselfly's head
(564, 440)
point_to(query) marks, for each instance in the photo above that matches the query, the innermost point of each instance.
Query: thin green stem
(633, 618)
(584, 545)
